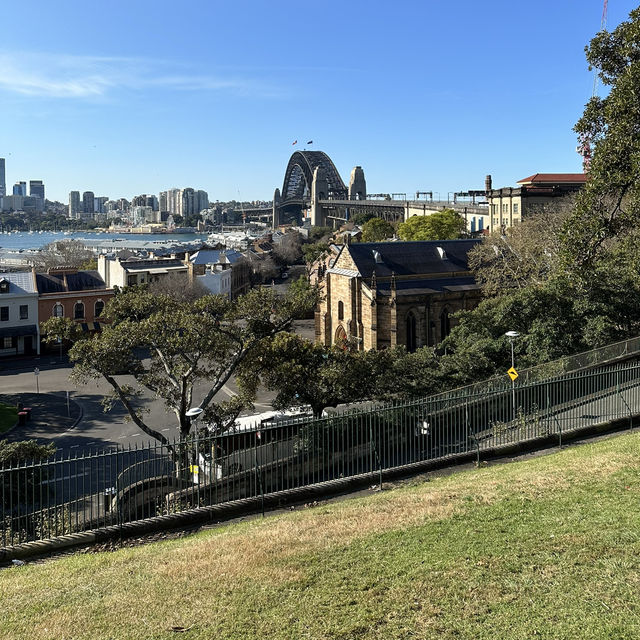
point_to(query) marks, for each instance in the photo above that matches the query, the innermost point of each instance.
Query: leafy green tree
(477, 347)
(307, 373)
(361, 218)
(610, 202)
(185, 352)
(442, 225)
(377, 230)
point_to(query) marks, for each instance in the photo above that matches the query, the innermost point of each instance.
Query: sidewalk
(49, 414)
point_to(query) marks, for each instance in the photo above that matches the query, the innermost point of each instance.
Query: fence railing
(94, 490)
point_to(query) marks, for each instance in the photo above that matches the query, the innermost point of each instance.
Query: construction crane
(584, 148)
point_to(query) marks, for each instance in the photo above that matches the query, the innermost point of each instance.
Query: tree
(170, 347)
(179, 288)
(442, 225)
(477, 349)
(361, 217)
(526, 254)
(302, 372)
(609, 205)
(377, 230)
(313, 254)
(64, 253)
(289, 250)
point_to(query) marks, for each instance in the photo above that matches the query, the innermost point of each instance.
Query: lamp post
(512, 335)
(193, 414)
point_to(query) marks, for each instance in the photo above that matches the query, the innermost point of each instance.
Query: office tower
(3, 183)
(36, 190)
(74, 205)
(87, 204)
(151, 201)
(20, 189)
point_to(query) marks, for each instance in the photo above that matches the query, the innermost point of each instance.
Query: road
(98, 429)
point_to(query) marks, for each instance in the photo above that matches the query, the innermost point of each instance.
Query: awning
(15, 332)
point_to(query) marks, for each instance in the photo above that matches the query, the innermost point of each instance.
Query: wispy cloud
(86, 77)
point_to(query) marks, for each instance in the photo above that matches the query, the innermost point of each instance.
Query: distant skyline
(139, 97)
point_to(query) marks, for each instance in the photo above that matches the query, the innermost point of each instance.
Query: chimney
(487, 183)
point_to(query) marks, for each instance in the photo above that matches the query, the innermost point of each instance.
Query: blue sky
(123, 98)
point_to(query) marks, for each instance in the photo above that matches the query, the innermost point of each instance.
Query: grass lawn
(544, 548)
(8, 417)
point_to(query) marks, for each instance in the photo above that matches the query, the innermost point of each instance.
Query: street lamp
(194, 414)
(512, 335)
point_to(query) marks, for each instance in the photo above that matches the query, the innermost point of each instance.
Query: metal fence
(98, 489)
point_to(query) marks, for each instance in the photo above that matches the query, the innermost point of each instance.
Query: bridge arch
(299, 176)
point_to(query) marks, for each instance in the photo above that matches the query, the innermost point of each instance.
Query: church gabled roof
(411, 258)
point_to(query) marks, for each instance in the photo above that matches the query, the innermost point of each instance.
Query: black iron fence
(93, 490)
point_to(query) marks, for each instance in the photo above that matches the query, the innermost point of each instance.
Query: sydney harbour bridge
(312, 185)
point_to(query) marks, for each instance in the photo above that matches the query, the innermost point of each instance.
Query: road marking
(74, 446)
(70, 477)
(166, 429)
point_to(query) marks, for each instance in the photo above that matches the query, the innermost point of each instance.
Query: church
(383, 294)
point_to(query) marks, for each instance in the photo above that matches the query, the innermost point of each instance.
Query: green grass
(8, 417)
(543, 548)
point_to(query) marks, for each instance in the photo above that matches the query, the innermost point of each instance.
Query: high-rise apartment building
(162, 201)
(3, 181)
(98, 204)
(188, 202)
(87, 204)
(74, 205)
(20, 188)
(201, 201)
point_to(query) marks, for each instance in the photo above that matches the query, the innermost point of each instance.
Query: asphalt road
(98, 429)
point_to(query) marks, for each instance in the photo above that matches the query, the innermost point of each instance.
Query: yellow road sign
(513, 374)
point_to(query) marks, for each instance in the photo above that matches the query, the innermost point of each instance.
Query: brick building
(384, 294)
(69, 293)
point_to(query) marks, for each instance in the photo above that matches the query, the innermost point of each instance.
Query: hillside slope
(544, 548)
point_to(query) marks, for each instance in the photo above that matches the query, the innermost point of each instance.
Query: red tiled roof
(556, 178)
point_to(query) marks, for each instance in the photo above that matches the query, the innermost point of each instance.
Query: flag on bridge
(310, 142)
(294, 142)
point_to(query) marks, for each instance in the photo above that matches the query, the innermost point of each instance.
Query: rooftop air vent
(377, 256)
(442, 253)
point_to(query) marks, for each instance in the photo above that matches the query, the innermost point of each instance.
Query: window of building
(505, 222)
(58, 310)
(4, 286)
(411, 332)
(131, 280)
(445, 324)
(515, 209)
(78, 311)
(4, 314)
(24, 311)
(7, 343)
(98, 309)
(340, 310)
(495, 222)
(505, 208)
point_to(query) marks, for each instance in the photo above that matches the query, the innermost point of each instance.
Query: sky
(123, 98)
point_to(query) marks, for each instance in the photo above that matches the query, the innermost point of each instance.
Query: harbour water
(16, 241)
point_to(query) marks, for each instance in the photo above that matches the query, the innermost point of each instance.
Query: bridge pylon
(275, 222)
